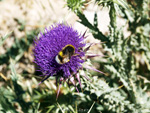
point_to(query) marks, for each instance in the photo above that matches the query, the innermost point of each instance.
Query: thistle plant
(122, 52)
(64, 67)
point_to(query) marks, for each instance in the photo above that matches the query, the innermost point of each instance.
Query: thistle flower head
(59, 52)
(49, 54)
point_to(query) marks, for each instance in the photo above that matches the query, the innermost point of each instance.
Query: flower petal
(88, 67)
(58, 90)
(78, 78)
(93, 55)
(44, 79)
(73, 82)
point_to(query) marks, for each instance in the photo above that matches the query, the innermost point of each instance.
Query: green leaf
(50, 108)
(2, 39)
(5, 104)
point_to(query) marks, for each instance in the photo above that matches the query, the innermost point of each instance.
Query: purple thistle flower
(59, 52)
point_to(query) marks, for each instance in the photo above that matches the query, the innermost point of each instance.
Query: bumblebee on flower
(60, 52)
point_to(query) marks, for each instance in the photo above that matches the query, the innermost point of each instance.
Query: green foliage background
(125, 89)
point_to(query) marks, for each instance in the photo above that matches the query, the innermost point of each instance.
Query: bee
(65, 54)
